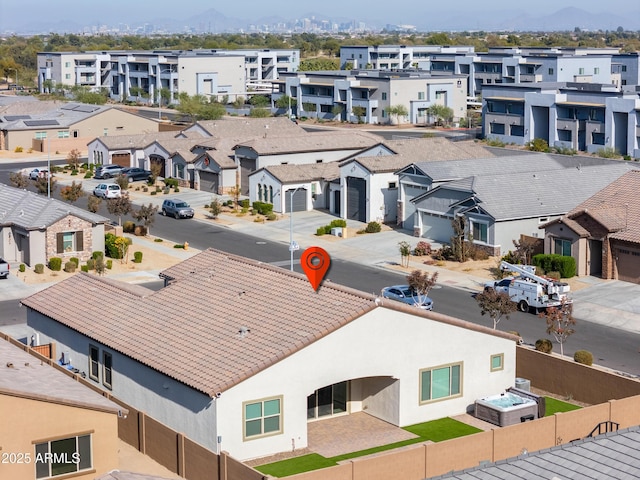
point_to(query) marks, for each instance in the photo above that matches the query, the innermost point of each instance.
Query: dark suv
(134, 174)
(177, 208)
(108, 171)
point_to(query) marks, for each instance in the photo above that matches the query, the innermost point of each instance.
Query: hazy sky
(399, 11)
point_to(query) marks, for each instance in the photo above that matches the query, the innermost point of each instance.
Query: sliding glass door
(327, 401)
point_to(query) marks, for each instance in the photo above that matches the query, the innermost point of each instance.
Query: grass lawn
(555, 406)
(436, 431)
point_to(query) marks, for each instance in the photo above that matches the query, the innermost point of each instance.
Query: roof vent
(244, 331)
(9, 365)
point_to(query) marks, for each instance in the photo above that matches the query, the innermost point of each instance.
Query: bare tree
(422, 283)
(93, 203)
(73, 158)
(146, 215)
(18, 180)
(405, 253)
(460, 245)
(215, 208)
(524, 248)
(119, 206)
(156, 171)
(495, 304)
(45, 184)
(560, 322)
(71, 193)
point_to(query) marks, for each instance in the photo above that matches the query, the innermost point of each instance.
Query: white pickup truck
(4, 269)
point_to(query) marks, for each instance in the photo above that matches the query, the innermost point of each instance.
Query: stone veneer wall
(70, 223)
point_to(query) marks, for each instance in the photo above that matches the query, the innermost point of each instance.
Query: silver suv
(108, 171)
(177, 208)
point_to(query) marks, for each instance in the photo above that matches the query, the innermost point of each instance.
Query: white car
(108, 190)
(38, 173)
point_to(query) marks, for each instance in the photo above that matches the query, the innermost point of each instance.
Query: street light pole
(293, 246)
(48, 168)
(16, 79)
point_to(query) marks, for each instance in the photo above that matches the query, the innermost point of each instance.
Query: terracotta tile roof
(312, 142)
(616, 207)
(24, 375)
(247, 127)
(141, 140)
(191, 329)
(303, 173)
(173, 144)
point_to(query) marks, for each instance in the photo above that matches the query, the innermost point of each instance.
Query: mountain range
(212, 21)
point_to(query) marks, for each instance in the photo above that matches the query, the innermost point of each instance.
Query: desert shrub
(38, 268)
(177, 189)
(272, 216)
(110, 246)
(477, 253)
(128, 226)
(91, 264)
(171, 182)
(109, 264)
(158, 240)
(145, 189)
(88, 175)
(258, 219)
(84, 268)
(70, 267)
(178, 245)
(245, 203)
(511, 257)
(555, 263)
(320, 231)
(608, 152)
(373, 227)
(262, 208)
(19, 150)
(583, 356)
(544, 345)
(153, 193)
(140, 231)
(75, 260)
(422, 248)
(137, 257)
(444, 253)
(55, 264)
(327, 229)
(554, 275)
(244, 210)
(74, 172)
(338, 223)
(97, 254)
(537, 145)
(22, 268)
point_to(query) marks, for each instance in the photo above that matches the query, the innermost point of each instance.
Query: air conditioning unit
(523, 384)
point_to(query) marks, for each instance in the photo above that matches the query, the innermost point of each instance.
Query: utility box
(523, 384)
(336, 231)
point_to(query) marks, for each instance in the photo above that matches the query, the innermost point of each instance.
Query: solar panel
(86, 108)
(11, 118)
(69, 106)
(40, 123)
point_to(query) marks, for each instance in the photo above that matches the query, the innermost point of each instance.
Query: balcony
(592, 126)
(566, 124)
(488, 76)
(363, 102)
(505, 118)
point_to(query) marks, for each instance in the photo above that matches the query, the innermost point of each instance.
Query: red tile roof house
(603, 232)
(235, 349)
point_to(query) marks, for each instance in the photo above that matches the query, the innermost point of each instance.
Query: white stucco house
(214, 356)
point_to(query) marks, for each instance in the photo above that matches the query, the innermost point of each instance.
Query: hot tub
(506, 409)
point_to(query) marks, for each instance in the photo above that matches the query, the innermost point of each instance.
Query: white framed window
(41, 135)
(551, 71)
(107, 370)
(441, 382)
(63, 133)
(596, 70)
(497, 362)
(63, 456)
(480, 232)
(420, 95)
(94, 363)
(262, 418)
(384, 95)
(581, 71)
(67, 76)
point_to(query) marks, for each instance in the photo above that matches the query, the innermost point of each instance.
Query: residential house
(603, 232)
(366, 95)
(62, 127)
(317, 147)
(246, 371)
(577, 116)
(295, 187)
(499, 208)
(47, 412)
(34, 228)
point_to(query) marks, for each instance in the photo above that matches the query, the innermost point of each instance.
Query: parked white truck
(529, 290)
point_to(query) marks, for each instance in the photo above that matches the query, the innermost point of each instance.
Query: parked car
(38, 173)
(134, 174)
(177, 208)
(405, 294)
(500, 286)
(107, 190)
(108, 171)
(4, 268)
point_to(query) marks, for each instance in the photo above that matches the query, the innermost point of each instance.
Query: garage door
(247, 166)
(628, 264)
(437, 228)
(357, 199)
(299, 200)
(208, 181)
(122, 159)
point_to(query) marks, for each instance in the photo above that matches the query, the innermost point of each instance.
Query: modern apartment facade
(140, 75)
(335, 94)
(583, 117)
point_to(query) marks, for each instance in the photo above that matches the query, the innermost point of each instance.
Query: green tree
(318, 64)
(537, 145)
(45, 185)
(359, 112)
(259, 113)
(337, 110)
(495, 304)
(442, 113)
(119, 206)
(398, 111)
(422, 283)
(560, 322)
(215, 208)
(405, 252)
(260, 101)
(283, 102)
(73, 158)
(146, 215)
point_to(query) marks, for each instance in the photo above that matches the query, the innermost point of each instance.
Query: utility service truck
(529, 290)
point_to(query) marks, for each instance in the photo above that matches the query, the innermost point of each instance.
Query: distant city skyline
(466, 14)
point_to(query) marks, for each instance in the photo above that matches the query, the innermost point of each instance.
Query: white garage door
(436, 228)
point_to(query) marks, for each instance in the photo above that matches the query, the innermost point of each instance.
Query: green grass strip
(555, 406)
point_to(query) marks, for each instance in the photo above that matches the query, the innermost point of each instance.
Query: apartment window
(497, 362)
(67, 64)
(551, 71)
(596, 70)
(40, 135)
(480, 232)
(67, 76)
(517, 130)
(63, 134)
(581, 71)
(441, 382)
(63, 456)
(624, 68)
(94, 359)
(105, 132)
(262, 417)
(107, 364)
(562, 247)
(384, 95)
(497, 128)
(420, 95)
(67, 242)
(393, 185)
(440, 95)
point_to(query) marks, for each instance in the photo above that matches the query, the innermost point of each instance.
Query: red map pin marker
(315, 262)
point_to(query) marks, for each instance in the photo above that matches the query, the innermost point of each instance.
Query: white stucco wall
(383, 343)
